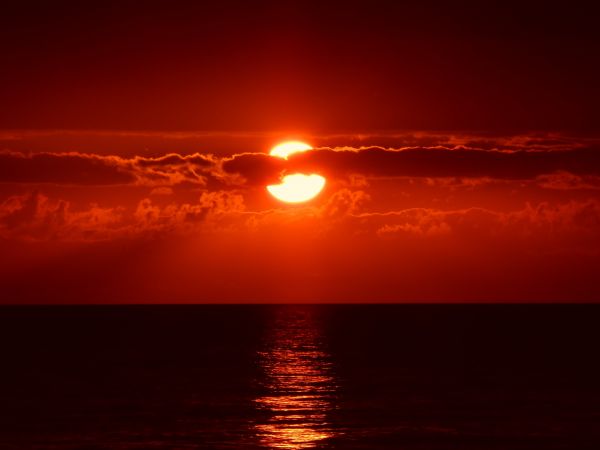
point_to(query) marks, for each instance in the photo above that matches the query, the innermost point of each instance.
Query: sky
(459, 143)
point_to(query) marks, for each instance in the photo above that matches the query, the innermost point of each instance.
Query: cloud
(98, 170)
(517, 159)
(343, 203)
(574, 223)
(213, 210)
(446, 162)
(345, 211)
(172, 169)
(421, 162)
(568, 181)
(255, 168)
(34, 216)
(63, 168)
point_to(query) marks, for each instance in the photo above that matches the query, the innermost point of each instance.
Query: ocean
(300, 377)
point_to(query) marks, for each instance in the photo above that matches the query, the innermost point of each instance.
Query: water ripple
(298, 382)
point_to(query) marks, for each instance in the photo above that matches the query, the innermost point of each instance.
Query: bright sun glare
(295, 188)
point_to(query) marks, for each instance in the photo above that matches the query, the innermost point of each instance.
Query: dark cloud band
(422, 162)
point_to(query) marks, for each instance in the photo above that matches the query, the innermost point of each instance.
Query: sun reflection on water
(298, 382)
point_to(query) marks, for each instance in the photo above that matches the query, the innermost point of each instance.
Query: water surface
(300, 377)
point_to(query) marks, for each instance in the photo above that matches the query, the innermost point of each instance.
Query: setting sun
(295, 188)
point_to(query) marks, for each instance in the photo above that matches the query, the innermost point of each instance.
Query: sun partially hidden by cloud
(296, 188)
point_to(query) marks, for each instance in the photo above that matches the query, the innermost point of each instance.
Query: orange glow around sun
(298, 187)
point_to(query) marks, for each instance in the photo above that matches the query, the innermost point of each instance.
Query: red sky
(134, 141)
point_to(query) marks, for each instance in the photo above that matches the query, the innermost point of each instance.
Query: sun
(298, 187)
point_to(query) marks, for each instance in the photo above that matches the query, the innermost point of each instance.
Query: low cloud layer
(36, 217)
(97, 170)
(255, 169)
(421, 162)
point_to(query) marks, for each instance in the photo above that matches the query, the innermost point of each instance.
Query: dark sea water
(300, 377)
